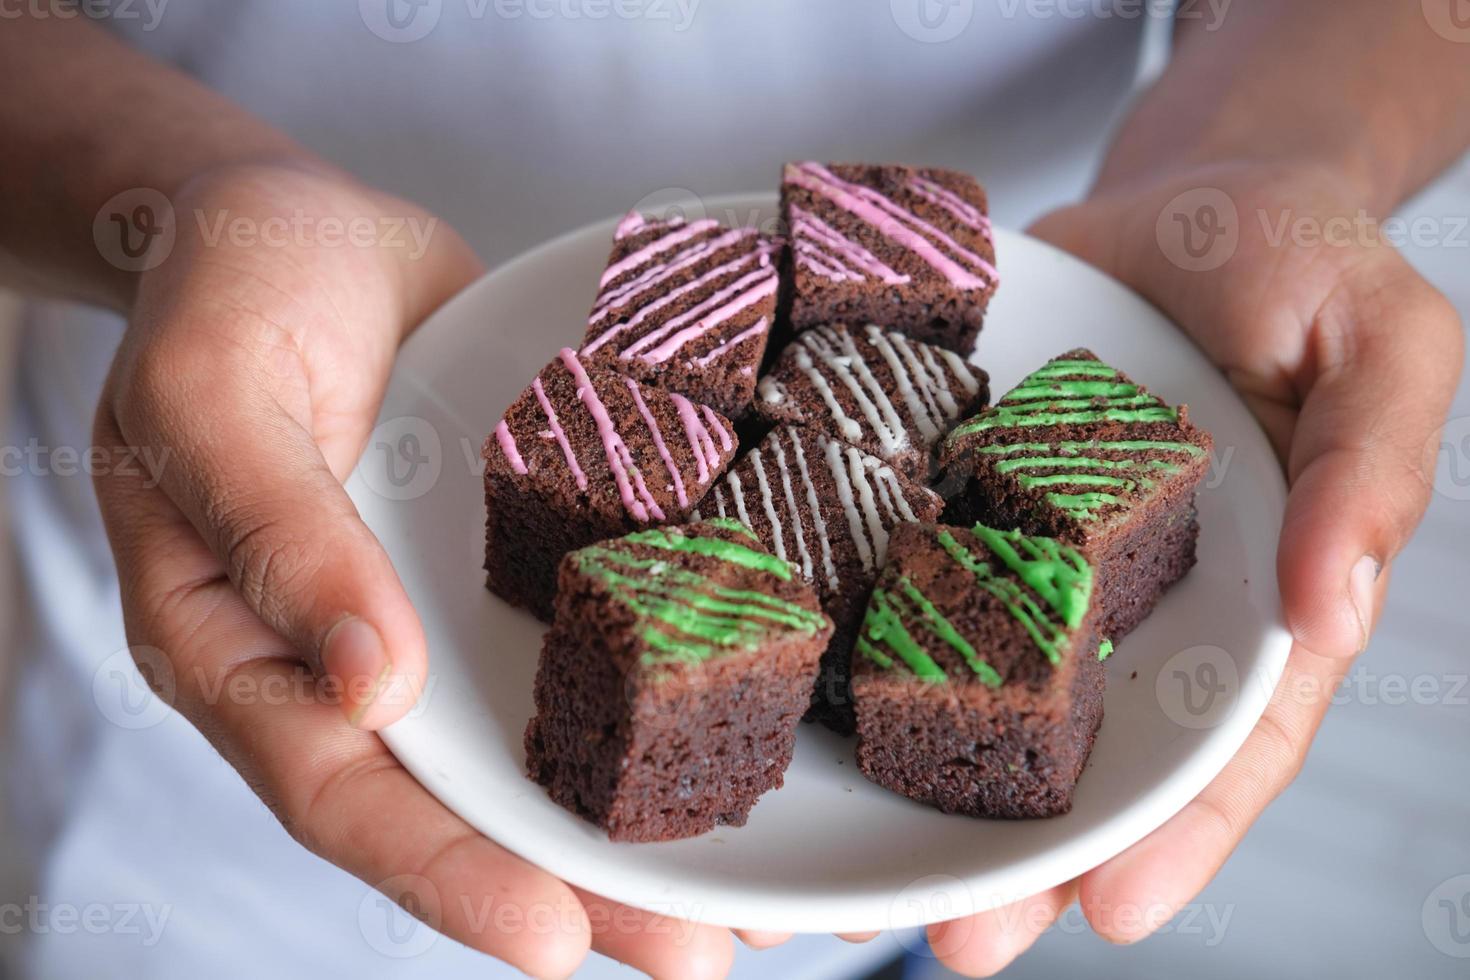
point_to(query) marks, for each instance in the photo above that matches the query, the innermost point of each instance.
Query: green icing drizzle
(883, 624)
(735, 554)
(1116, 445)
(1030, 391)
(1075, 391)
(693, 618)
(1083, 506)
(945, 630)
(1055, 572)
(731, 524)
(1003, 417)
(1104, 649)
(1050, 570)
(1067, 392)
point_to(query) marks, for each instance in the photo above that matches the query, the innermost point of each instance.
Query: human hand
(254, 369)
(1348, 359)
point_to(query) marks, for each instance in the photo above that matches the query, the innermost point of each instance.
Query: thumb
(253, 482)
(1386, 359)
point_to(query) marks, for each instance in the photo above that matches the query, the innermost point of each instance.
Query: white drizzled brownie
(880, 390)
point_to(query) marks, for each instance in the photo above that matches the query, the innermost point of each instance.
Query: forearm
(86, 118)
(1364, 91)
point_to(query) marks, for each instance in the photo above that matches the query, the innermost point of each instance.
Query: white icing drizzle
(837, 358)
(848, 427)
(852, 369)
(814, 508)
(806, 558)
(778, 538)
(918, 399)
(878, 536)
(738, 493)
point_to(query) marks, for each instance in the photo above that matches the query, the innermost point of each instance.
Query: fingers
(658, 945)
(242, 464)
(983, 945)
(759, 939)
(337, 790)
(1141, 889)
(1387, 355)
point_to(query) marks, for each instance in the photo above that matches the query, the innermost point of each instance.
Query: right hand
(255, 371)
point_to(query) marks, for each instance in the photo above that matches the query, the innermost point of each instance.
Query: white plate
(828, 852)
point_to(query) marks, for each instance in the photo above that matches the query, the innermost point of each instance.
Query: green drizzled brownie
(1081, 452)
(671, 682)
(978, 673)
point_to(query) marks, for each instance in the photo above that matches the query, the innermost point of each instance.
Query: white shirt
(515, 120)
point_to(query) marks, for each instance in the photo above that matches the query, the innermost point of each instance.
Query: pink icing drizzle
(669, 297)
(754, 330)
(894, 223)
(718, 426)
(632, 223)
(940, 196)
(559, 435)
(658, 441)
(682, 233)
(706, 456)
(624, 293)
(619, 459)
(821, 233)
(746, 291)
(508, 447)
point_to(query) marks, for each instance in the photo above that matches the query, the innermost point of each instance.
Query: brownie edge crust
(977, 678)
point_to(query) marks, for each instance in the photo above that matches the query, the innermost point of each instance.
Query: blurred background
(1362, 869)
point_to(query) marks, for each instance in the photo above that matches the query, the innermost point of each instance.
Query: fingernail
(354, 655)
(1360, 589)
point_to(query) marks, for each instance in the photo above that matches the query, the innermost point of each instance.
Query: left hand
(1348, 359)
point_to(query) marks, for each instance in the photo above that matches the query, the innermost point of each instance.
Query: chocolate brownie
(1079, 451)
(877, 389)
(672, 680)
(901, 247)
(687, 306)
(978, 675)
(582, 455)
(827, 507)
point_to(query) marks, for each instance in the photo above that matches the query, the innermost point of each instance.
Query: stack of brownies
(722, 501)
